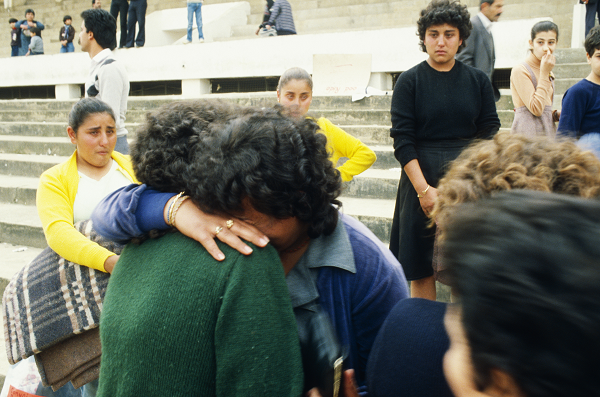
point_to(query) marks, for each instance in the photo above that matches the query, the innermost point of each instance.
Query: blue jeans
(69, 48)
(194, 8)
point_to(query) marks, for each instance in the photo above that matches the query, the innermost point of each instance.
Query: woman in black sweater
(438, 108)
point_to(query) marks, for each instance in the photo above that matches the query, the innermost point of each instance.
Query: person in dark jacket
(15, 37)
(66, 35)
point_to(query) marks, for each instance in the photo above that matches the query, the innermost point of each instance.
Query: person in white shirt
(108, 78)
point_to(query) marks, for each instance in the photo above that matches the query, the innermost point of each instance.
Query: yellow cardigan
(55, 198)
(342, 144)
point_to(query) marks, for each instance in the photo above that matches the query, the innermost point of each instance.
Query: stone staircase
(33, 138)
(27, 148)
(310, 16)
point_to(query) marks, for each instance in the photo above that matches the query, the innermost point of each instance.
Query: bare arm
(422, 187)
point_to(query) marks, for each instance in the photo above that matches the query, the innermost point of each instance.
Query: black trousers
(120, 7)
(592, 8)
(137, 14)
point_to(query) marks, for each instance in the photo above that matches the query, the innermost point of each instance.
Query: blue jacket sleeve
(130, 212)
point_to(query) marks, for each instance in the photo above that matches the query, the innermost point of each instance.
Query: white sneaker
(201, 41)
(186, 42)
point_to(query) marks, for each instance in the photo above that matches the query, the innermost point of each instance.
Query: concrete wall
(392, 50)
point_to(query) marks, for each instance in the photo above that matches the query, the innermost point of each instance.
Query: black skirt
(411, 239)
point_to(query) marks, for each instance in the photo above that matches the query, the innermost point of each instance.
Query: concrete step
(34, 115)
(28, 165)
(398, 9)
(385, 157)
(24, 128)
(37, 104)
(570, 55)
(44, 129)
(357, 116)
(18, 189)
(376, 214)
(372, 135)
(505, 102)
(373, 184)
(562, 85)
(318, 5)
(16, 144)
(20, 224)
(355, 22)
(506, 118)
(571, 70)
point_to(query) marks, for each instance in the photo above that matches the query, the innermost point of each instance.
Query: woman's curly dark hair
(439, 12)
(222, 155)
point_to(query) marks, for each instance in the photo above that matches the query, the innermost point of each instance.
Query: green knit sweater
(178, 323)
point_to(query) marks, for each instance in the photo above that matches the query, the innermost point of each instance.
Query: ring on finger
(218, 230)
(229, 224)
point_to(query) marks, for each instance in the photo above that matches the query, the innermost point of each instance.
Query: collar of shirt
(101, 56)
(334, 250)
(487, 24)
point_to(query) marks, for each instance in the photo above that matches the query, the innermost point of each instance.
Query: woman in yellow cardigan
(294, 92)
(68, 192)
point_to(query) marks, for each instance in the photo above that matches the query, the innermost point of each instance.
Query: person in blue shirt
(25, 25)
(581, 103)
(253, 171)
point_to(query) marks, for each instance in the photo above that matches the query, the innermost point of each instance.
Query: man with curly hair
(257, 169)
(438, 107)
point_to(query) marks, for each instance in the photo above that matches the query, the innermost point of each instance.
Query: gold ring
(229, 224)
(218, 230)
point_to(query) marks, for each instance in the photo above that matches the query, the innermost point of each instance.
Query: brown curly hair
(513, 161)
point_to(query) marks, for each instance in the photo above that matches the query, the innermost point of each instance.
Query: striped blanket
(52, 299)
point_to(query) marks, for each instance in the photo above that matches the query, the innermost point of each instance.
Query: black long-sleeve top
(432, 108)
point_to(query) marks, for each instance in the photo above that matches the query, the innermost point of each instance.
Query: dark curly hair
(439, 12)
(222, 154)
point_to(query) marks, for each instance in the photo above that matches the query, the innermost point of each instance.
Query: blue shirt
(354, 277)
(580, 110)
